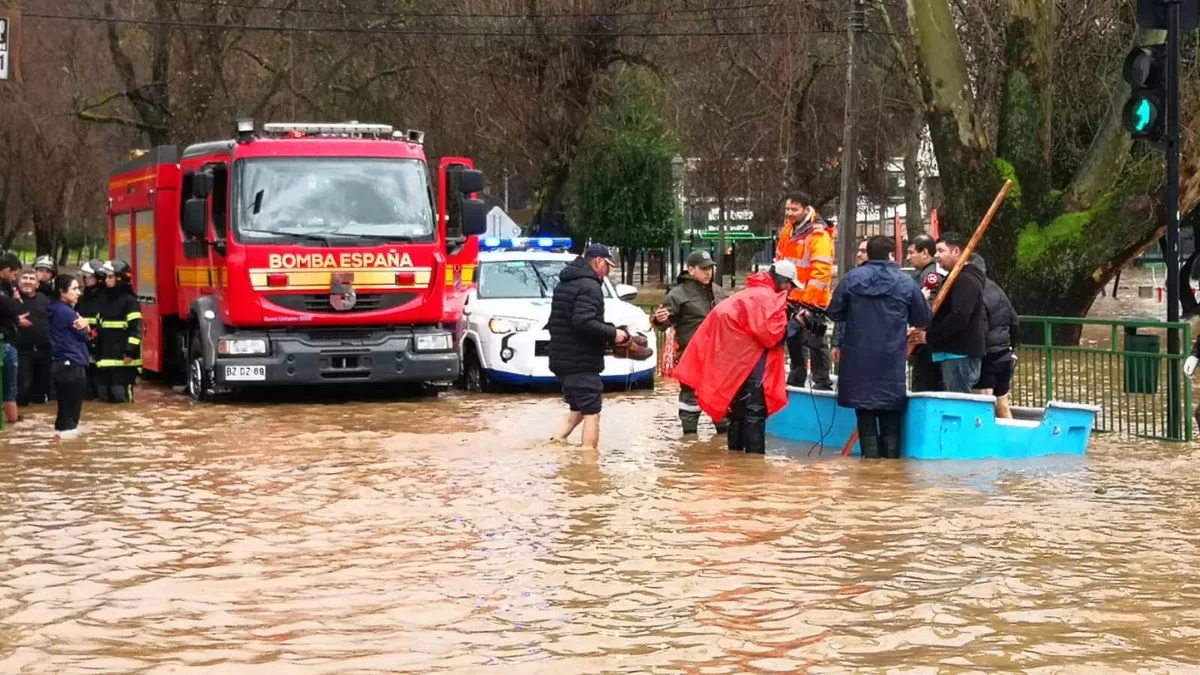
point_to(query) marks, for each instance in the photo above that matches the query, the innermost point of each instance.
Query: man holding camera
(687, 304)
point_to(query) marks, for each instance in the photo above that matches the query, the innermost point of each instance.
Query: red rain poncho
(729, 343)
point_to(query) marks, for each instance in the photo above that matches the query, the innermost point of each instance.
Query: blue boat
(940, 425)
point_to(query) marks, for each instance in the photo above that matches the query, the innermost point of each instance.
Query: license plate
(245, 373)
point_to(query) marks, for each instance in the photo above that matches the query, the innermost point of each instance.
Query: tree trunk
(914, 218)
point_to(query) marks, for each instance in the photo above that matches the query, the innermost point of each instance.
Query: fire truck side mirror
(470, 181)
(474, 217)
(194, 213)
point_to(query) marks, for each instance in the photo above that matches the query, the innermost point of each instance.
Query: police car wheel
(473, 376)
(199, 380)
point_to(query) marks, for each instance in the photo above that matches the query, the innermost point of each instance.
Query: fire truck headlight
(241, 346)
(438, 342)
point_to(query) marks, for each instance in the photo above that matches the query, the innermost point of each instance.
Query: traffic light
(1145, 71)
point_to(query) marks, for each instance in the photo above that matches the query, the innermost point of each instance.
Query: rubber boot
(733, 438)
(869, 446)
(755, 433)
(889, 435)
(690, 421)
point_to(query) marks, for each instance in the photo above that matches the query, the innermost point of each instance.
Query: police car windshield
(323, 199)
(509, 279)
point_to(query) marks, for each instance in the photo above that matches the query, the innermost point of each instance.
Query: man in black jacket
(12, 318)
(926, 375)
(957, 338)
(578, 339)
(33, 343)
(687, 304)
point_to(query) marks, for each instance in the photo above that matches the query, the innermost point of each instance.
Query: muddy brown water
(446, 536)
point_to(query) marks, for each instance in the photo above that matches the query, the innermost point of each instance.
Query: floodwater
(446, 536)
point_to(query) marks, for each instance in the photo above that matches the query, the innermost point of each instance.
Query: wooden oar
(945, 290)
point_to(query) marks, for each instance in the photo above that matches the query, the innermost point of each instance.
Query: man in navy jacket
(875, 304)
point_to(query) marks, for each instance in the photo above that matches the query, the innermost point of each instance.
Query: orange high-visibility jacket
(815, 270)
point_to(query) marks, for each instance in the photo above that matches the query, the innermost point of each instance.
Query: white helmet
(44, 262)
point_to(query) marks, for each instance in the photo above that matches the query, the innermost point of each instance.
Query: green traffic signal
(1142, 116)
(1144, 70)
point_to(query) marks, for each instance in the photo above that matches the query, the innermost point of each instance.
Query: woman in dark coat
(875, 304)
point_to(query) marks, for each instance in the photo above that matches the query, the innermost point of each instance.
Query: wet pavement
(446, 536)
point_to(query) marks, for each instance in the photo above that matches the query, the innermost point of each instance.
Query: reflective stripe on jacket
(816, 270)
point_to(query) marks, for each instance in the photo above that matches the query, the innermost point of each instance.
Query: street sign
(4, 48)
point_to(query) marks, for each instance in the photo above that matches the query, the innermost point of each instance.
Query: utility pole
(1171, 254)
(847, 226)
(506, 189)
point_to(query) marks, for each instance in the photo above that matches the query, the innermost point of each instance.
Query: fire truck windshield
(322, 199)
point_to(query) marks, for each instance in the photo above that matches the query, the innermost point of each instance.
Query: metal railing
(1139, 386)
(1120, 365)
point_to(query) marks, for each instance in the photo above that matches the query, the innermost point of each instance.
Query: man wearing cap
(579, 337)
(687, 304)
(735, 361)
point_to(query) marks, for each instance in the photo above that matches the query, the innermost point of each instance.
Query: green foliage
(1013, 201)
(623, 188)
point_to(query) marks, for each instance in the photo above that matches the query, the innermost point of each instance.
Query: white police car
(502, 336)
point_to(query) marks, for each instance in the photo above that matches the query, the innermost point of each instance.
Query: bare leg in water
(568, 426)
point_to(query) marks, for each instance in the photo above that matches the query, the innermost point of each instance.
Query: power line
(422, 32)
(464, 15)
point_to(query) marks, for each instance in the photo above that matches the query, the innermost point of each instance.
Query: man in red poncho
(735, 359)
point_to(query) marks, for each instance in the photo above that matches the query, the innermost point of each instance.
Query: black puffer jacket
(578, 333)
(1003, 326)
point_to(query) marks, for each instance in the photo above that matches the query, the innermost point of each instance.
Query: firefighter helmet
(118, 268)
(45, 262)
(92, 268)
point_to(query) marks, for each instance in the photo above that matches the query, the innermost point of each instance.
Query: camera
(812, 319)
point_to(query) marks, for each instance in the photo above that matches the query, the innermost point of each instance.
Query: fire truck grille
(318, 303)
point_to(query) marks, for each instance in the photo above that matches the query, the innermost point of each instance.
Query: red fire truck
(305, 254)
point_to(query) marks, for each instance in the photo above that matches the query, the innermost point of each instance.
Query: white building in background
(873, 216)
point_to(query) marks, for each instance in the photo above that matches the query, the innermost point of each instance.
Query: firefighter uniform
(88, 307)
(119, 347)
(815, 277)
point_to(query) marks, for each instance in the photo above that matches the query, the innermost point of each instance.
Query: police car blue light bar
(524, 243)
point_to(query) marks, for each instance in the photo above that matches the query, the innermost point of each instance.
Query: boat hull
(939, 425)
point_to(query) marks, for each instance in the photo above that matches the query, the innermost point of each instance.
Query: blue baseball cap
(599, 251)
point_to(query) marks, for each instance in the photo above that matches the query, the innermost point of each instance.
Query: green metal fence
(1121, 365)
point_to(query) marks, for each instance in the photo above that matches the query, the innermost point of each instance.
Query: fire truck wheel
(199, 379)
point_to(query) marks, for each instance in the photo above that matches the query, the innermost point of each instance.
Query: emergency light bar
(335, 130)
(525, 243)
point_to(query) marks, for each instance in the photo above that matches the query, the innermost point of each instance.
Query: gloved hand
(1189, 366)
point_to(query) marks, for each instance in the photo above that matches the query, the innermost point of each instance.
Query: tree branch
(1106, 156)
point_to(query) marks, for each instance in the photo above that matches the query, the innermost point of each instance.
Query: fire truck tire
(199, 378)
